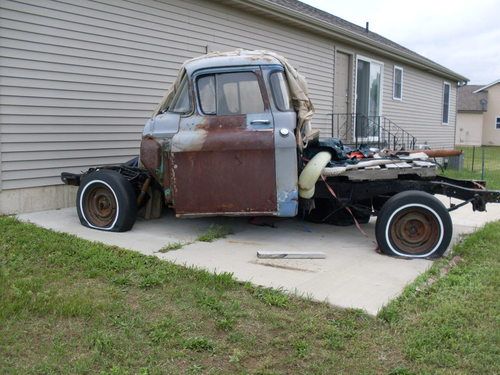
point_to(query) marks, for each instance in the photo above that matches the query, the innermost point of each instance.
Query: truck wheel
(106, 200)
(413, 224)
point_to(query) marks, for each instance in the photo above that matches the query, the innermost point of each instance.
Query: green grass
(172, 246)
(214, 232)
(70, 306)
(472, 170)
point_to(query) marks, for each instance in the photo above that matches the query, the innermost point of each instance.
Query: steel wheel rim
(100, 206)
(415, 231)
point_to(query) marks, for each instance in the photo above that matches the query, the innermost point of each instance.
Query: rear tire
(106, 201)
(413, 224)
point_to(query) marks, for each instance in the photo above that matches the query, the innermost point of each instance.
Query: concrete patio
(352, 275)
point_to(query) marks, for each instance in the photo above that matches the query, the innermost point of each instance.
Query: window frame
(497, 123)
(184, 83)
(273, 91)
(394, 97)
(448, 104)
(215, 72)
(200, 107)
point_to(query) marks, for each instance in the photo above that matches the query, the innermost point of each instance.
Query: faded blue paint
(288, 203)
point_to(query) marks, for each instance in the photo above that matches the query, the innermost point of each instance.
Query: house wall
(79, 79)
(421, 108)
(491, 136)
(469, 129)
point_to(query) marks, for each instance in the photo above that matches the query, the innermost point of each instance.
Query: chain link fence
(479, 163)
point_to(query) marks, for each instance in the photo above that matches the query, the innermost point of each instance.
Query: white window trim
(497, 121)
(396, 67)
(381, 88)
(370, 60)
(449, 101)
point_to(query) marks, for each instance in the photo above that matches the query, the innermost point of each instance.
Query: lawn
(70, 306)
(473, 165)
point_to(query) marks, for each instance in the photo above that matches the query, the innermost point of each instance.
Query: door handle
(260, 122)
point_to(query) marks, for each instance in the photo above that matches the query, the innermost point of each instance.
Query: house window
(398, 83)
(446, 103)
(497, 123)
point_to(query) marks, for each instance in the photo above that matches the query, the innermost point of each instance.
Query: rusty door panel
(222, 164)
(226, 188)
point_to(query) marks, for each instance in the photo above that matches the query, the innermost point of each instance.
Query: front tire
(106, 201)
(414, 224)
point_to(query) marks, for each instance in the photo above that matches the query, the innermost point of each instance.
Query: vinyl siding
(491, 135)
(80, 78)
(421, 109)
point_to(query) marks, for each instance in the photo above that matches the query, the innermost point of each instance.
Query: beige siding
(421, 109)
(79, 79)
(491, 135)
(469, 129)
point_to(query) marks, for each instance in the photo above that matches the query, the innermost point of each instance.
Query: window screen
(446, 103)
(230, 94)
(398, 83)
(279, 88)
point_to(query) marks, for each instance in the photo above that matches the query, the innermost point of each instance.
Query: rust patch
(215, 123)
(240, 181)
(167, 180)
(150, 154)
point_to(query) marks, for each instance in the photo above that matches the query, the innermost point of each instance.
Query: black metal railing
(356, 129)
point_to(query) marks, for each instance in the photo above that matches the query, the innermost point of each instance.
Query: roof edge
(356, 39)
(487, 86)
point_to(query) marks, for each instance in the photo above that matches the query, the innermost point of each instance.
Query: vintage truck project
(232, 137)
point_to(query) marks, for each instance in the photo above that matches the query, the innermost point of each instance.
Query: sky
(461, 35)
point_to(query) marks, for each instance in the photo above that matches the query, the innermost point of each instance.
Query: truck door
(223, 156)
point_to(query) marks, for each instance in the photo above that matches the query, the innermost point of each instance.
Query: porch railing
(376, 131)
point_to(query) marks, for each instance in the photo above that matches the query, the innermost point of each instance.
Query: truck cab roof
(228, 59)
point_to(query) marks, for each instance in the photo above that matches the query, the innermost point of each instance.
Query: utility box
(456, 162)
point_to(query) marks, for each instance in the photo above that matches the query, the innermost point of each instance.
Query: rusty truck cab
(225, 144)
(226, 140)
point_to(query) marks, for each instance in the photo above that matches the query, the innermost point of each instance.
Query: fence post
(482, 164)
(473, 156)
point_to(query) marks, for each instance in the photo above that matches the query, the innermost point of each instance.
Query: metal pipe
(144, 190)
